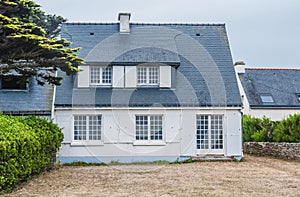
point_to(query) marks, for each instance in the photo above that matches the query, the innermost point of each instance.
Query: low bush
(266, 130)
(28, 146)
(288, 130)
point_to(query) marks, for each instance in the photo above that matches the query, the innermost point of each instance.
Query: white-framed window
(100, 75)
(147, 75)
(149, 127)
(209, 132)
(87, 127)
(298, 96)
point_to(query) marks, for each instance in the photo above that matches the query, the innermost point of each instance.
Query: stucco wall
(179, 130)
(278, 150)
(273, 114)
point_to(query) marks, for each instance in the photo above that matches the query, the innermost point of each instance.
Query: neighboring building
(270, 92)
(149, 92)
(21, 96)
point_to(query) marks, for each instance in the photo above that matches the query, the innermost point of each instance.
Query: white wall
(273, 114)
(179, 129)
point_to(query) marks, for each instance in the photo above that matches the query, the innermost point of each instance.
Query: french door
(210, 134)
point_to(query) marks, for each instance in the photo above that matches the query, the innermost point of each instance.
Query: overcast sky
(262, 33)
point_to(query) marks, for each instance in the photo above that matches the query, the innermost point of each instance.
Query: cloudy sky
(262, 33)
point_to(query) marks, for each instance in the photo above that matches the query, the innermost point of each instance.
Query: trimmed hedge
(266, 130)
(28, 146)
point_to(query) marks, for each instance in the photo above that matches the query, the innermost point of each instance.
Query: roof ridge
(145, 23)
(272, 68)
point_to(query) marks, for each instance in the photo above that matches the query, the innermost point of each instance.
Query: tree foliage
(28, 49)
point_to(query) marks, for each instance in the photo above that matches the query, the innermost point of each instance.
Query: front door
(209, 134)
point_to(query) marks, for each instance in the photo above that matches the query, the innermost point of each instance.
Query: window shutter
(165, 76)
(84, 77)
(130, 76)
(118, 76)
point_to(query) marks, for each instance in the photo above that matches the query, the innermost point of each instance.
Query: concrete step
(212, 158)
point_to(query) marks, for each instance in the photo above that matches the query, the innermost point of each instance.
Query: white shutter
(130, 76)
(84, 77)
(165, 76)
(118, 76)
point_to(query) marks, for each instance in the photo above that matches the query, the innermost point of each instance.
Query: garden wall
(290, 151)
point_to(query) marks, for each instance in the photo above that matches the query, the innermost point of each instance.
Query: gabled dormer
(146, 75)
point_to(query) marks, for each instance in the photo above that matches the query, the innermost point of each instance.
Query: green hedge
(28, 146)
(266, 130)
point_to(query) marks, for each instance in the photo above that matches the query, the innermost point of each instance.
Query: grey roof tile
(205, 76)
(36, 99)
(282, 84)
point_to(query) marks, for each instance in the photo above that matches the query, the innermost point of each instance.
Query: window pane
(13, 82)
(153, 75)
(142, 75)
(141, 128)
(267, 98)
(95, 75)
(156, 128)
(80, 128)
(202, 132)
(94, 127)
(106, 75)
(216, 132)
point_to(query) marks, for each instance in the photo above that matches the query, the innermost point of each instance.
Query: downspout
(53, 100)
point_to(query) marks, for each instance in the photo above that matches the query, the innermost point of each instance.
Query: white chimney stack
(124, 22)
(239, 67)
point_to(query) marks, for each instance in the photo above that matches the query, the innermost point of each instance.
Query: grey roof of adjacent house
(200, 55)
(36, 100)
(283, 85)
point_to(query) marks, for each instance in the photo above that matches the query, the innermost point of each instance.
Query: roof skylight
(267, 98)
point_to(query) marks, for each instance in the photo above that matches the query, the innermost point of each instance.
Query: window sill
(149, 143)
(87, 143)
(147, 86)
(100, 86)
(14, 90)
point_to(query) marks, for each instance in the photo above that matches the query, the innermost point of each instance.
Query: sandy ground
(255, 176)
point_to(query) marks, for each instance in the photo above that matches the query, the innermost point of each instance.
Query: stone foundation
(289, 151)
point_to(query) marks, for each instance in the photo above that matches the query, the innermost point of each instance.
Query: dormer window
(100, 75)
(13, 83)
(148, 75)
(267, 98)
(298, 95)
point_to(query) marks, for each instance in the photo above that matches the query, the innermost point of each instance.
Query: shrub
(258, 129)
(28, 146)
(266, 130)
(250, 126)
(288, 130)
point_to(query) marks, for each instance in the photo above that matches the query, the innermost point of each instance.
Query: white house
(149, 92)
(270, 92)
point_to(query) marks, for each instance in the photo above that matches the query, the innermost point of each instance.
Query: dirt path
(256, 176)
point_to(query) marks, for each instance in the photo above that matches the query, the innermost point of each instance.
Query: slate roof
(36, 100)
(282, 84)
(200, 52)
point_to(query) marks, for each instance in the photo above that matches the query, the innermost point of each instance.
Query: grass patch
(158, 162)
